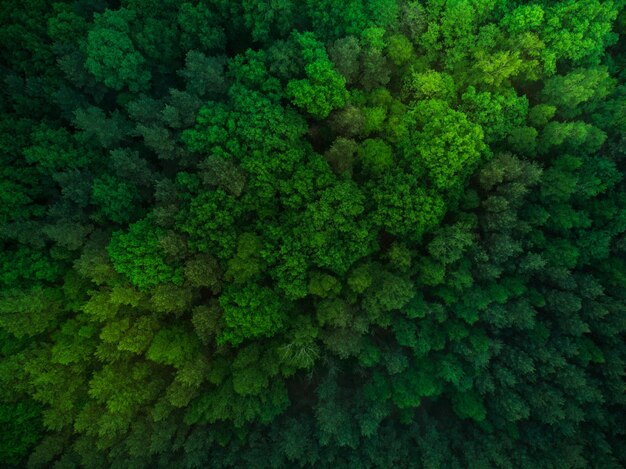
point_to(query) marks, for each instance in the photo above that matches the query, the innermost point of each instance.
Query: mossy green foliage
(348, 234)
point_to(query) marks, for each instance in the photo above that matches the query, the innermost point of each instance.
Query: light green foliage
(540, 115)
(429, 85)
(571, 36)
(323, 91)
(138, 255)
(448, 144)
(122, 389)
(497, 114)
(571, 135)
(170, 299)
(400, 49)
(171, 347)
(524, 18)
(496, 69)
(251, 311)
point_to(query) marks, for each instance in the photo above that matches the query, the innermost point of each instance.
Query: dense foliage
(321, 233)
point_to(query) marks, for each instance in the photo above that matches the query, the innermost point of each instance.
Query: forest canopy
(313, 233)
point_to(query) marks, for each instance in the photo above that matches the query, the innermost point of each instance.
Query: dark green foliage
(321, 233)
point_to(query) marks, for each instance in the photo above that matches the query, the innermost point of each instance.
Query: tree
(52, 150)
(247, 263)
(115, 198)
(210, 221)
(341, 155)
(582, 38)
(568, 92)
(429, 85)
(334, 230)
(204, 76)
(497, 114)
(111, 54)
(344, 55)
(323, 285)
(200, 28)
(375, 156)
(449, 154)
(251, 311)
(402, 207)
(323, 91)
(29, 312)
(400, 49)
(138, 255)
(96, 126)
